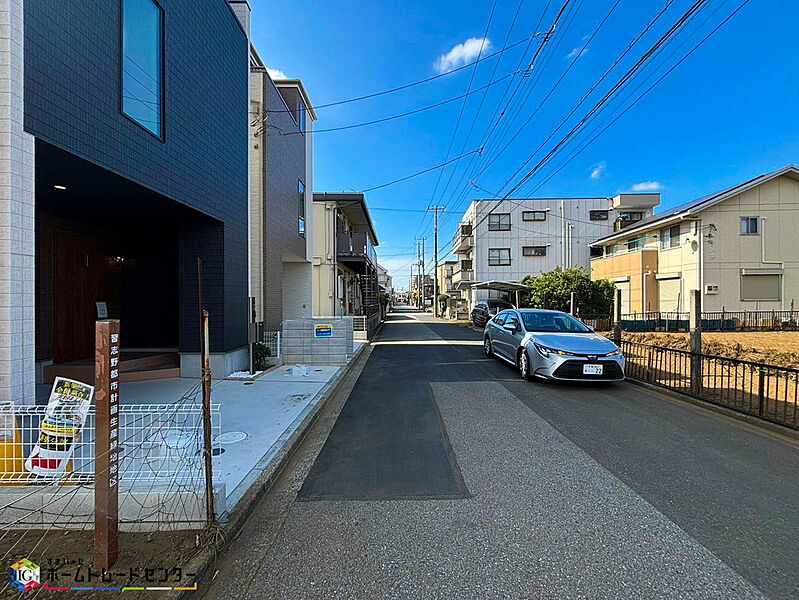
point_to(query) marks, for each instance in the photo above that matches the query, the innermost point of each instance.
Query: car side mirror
(511, 328)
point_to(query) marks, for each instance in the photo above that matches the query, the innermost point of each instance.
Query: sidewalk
(257, 417)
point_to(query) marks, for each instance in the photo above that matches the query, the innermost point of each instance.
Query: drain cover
(230, 437)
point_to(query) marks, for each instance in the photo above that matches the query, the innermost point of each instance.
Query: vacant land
(772, 347)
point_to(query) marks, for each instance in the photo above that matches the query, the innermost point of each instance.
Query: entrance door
(79, 265)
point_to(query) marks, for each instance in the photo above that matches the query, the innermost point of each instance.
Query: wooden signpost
(106, 465)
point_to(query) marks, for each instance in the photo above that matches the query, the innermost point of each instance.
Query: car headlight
(545, 352)
(616, 352)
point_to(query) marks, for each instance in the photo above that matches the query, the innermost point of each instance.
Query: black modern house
(126, 160)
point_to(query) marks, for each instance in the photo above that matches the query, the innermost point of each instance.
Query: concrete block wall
(301, 347)
(17, 275)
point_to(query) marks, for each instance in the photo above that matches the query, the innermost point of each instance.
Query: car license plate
(592, 369)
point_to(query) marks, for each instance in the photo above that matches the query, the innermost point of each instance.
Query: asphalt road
(447, 476)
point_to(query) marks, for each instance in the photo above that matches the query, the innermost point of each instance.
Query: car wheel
(524, 365)
(487, 348)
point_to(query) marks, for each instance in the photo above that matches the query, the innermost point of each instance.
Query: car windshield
(552, 322)
(499, 304)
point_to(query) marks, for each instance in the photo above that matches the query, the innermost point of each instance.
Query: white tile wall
(17, 288)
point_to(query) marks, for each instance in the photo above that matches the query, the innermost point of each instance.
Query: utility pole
(436, 210)
(422, 285)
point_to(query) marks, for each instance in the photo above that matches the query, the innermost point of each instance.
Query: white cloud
(598, 170)
(647, 186)
(462, 54)
(276, 73)
(577, 51)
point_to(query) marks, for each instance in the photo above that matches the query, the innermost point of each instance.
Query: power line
(505, 198)
(422, 172)
(409, 85)
(463, 105)
(397, 116)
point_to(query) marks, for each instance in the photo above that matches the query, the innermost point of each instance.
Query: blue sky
(726, 114)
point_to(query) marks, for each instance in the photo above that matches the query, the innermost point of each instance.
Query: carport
(500, 286)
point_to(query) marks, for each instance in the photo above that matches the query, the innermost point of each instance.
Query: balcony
(463, 241)
(355, 251)
(462, 274)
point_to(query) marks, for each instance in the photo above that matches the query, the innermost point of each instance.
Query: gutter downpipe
(772, 262)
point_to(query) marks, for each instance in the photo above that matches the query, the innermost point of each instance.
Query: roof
(297, 83)
(354, 206)
(688, 209)
(502, 286)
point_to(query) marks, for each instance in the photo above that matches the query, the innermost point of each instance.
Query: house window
(499, 222)
(534, 215)
(761, 288)
(301, 206)
(498, 257)
(142, 63)
(749, 226)
(598, 215)
(630, 217)
(633, 245)
(301, 113)
(534, 250)
(670, 237)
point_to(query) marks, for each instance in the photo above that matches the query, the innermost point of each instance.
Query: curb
(270, 466)
(768, 426)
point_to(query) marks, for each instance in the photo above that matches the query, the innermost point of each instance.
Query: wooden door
(78, 264)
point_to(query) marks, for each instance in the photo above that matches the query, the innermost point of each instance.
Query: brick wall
(301, 347)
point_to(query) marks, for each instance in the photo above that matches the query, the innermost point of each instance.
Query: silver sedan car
(552, 345)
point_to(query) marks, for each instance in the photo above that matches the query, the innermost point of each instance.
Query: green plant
(262, 354)
(553, 289)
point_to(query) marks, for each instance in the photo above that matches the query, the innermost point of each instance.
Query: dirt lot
(64, 558)
(772, 347)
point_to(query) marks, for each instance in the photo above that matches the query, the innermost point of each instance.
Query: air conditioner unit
(711, 289)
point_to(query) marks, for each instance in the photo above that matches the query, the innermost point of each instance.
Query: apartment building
(738, 246)
(281, 197)
(112, 190)
(345, 260)
(444, 277)
(385, 282)
(505, 240)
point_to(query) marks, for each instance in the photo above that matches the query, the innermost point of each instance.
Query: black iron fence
(766, 391)
(677, 322)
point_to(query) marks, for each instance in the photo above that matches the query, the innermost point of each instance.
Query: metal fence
(769, 392)
(272, 341)
(157, 443)
(677, 322)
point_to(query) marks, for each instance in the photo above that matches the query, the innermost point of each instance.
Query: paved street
(447, 476)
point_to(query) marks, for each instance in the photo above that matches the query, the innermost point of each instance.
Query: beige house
(345, 269)
(738, 246)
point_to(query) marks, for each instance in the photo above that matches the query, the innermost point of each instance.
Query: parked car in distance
(485, 309)
(552, 345)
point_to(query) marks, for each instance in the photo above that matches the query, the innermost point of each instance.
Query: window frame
(498, 264)
(498, 226)
(749, 221)
(301, 207)
(634, 245)
(780, 284)
(161, 135)
(603, 211)
(667, 233)
(535, 213)
(534, 254)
